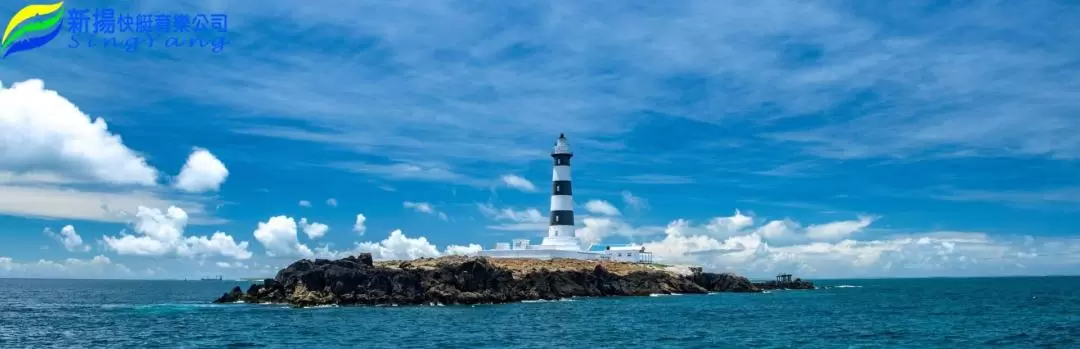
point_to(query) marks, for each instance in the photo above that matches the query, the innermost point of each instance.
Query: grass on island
(520, 266)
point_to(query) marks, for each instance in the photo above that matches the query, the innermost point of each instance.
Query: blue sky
(827, 139)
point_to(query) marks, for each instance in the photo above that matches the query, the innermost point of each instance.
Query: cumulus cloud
(305, 203)
(359, 226)
(722, 226)
(828, 249)
(601, 207)
(424, 207)
(462, 250)
(518, 182)
(278, 237)
(397, 246)
(69, 238)
(331, 202)
(44, 132)
(162, 233)
(202, 172)
(787, 231)
(313, 230)
(596, 229)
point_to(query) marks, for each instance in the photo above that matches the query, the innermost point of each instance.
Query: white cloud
(161, 234)
(529, 219)
(724, 226)
(596, 229)
(518, 182)
(219, 244)
(838, 230)
(653, 179)
(278, 237)
(65, 203)
(233, 265)
(787, 231)
(421, 207)
(331, 202)
(313, 230)
(399, 247)
(427, 171)
(424, 207)
(97, 267)
(752, 251)
(462, 250)
(632, 201)
(359, 226)
(601, 207)
(305, 203)
(43, 132)
(24, 178)
(202, 172)
(69, 238)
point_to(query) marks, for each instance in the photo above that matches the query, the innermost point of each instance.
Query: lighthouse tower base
(560, 245)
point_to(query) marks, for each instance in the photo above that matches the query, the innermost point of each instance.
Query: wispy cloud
(515, 76)
(633, 201)
(424, 207)
(518, 182)
(1059, 198)
(529, 219)
(431, 172)
(102, 206)
(653, 179)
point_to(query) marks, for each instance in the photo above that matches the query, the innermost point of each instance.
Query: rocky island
(785, 282)
(357, 280)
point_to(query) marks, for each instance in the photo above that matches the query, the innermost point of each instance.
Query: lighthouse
(560, 234)
(560, 241)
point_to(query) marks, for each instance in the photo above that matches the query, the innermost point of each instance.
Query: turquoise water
(922, 313)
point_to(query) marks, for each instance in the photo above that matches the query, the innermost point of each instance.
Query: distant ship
(212, 279)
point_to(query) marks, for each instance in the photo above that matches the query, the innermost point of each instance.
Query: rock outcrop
(725, 282)
(797, 284)
(357, 280)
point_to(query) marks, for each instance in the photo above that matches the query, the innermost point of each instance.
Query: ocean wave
(847, 286)
(324, 306)
(162, 308)
(664, 294)
(545, 300)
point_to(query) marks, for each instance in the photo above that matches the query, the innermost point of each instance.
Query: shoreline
(452, 280)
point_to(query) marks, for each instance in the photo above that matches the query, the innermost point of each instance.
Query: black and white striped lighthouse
(561, 223)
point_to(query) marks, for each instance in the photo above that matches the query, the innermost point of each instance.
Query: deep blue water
(1037, 312)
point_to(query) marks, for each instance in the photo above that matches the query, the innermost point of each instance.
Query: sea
(1032, 312)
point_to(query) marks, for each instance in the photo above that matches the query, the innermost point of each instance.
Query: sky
(827, 139)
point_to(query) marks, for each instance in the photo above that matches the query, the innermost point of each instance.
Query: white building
(623, 253)
(560, 241)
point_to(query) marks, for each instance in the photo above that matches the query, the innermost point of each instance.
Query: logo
(40, 24)
(108, 29)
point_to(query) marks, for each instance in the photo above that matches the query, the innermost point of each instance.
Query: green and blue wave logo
(40, 24)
